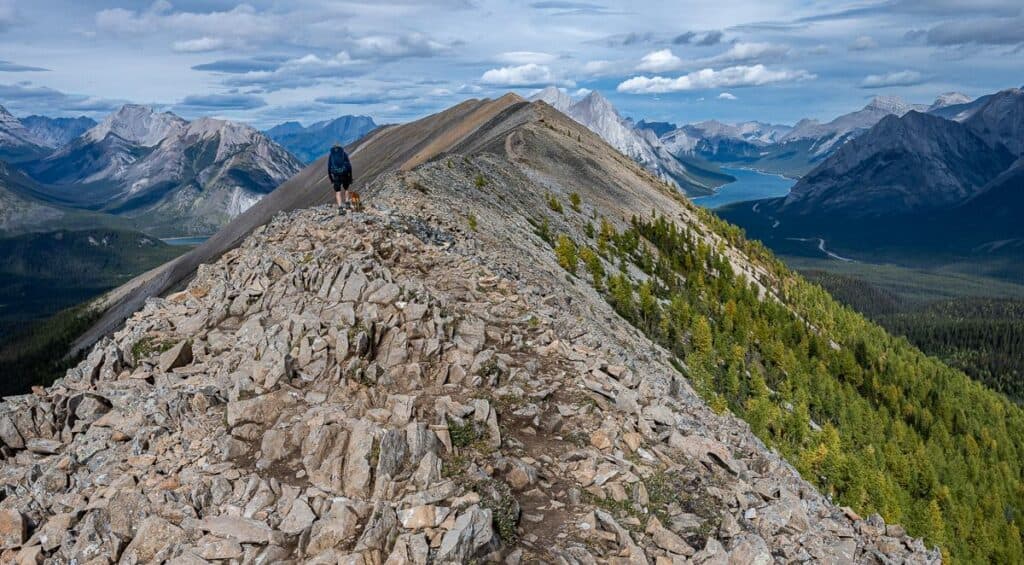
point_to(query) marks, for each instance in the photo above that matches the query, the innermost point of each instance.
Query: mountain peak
(138, 124)
(554, 96)
(889, 104)
(949, 99)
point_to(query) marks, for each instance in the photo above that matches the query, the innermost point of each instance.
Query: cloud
(726, 96)
(660, 61)
(235, 101)
(308, 70)
(710, 38)
(237, 66)
(200, 45)
(863, 43)
(564, 8)
(730, 77)
(897, 78)
(383, 47)
(530, 74)
(627, 39)
(985, 31)
(684, 38)
(43, 99)
(9, 67)
(743, 52)
(241, 21)
(598, 68)
(525, 57)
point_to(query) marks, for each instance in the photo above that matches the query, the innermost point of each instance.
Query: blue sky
(267, 61)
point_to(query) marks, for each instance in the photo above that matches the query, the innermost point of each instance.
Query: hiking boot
(341, 210)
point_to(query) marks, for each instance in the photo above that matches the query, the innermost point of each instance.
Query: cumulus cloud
(979, 31)
(746, 52)
(896, 78)
(863, 43)
(599, 68)
(738, 76)
(235, 101)
(530, 74)
(660, 61)
(199, 45)
(9, 67)
(726, 96)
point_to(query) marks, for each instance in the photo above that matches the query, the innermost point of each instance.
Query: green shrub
(480, 181)
(575, 201)
(566, 252)
(554, 203)
(472, 221)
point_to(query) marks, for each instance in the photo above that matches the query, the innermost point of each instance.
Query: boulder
(13, 528)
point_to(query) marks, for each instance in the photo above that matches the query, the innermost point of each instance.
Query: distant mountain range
(789, 150)
(151, 169)
(946, 180)
(641, 144)
(309, 143)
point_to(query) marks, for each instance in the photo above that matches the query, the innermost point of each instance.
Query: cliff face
(420, 382)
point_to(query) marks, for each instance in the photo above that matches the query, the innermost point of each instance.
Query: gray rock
(471, 532)
(299, 518)
(177, 356)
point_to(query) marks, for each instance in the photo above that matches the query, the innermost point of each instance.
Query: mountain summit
(640, 144)
(138, 125)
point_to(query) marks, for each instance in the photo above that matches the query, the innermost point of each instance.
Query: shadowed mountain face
(912, 187)
(57, 132)
(312, 142)
(909, 164)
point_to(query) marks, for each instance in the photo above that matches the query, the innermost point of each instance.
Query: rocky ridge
(372, 389)
(419, 383)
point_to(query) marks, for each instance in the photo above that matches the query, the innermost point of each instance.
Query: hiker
(339, 170)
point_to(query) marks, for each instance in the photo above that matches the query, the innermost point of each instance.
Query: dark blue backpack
(338, 165)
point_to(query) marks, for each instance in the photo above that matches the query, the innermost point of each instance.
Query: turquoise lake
(749, 185)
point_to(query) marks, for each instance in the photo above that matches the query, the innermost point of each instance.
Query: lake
(191, 241)
(749, 185)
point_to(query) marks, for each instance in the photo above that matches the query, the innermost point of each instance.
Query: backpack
(338, 165)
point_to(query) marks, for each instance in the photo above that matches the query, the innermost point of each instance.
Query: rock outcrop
(369, 390)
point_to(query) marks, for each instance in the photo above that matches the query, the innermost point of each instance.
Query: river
(749, 185)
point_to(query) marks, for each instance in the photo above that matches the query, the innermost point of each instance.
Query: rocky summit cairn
(396, 387)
